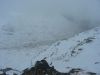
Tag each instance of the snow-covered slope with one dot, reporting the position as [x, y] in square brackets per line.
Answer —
[19, 59]
[81, 51]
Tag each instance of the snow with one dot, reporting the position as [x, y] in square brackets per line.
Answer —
[81, 51]
[31, 30]
[86, 53]
[19, 59]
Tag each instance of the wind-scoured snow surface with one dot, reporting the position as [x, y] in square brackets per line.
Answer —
[81, 51]
[31, 23]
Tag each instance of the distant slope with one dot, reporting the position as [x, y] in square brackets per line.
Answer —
[19, 58]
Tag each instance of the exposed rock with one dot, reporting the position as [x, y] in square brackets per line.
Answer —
[42, 68]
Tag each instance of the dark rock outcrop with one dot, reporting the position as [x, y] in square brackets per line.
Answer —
[42, 68]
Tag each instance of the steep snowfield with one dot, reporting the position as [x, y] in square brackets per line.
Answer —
[81, 51]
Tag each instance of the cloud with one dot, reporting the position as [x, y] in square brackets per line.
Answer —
[40, 22]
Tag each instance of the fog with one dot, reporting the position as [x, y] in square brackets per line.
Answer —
[31, 23]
